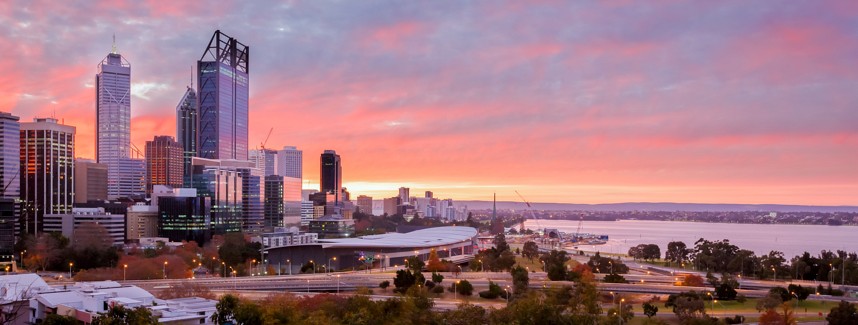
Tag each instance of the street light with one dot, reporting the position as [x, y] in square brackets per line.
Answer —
[455, 293]
[165, 269]
[124, 268]
[314, 266]
[70, 270]
[613, 297]
[507, 295]
[775, 272]
[338, 284]
[290, 266]
[329, 264]
[620, 311]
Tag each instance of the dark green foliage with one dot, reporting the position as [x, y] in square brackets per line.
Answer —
[615, 278]
[437, 278]
[236, 250]
[738, 319]
[493, 292]
[645, 252]
[225, 309]
[603, 264]
[118, 314]
[520, 280]
[438, 289]
[687, 305]
[530, 251]
[649, 309]
[781, 292]
[414, 264]
[384, 284]
[842, 314]
[405, 279]
[555, 264]
[725, 291]
[464, 288]
[676, 252]
[799, 292]
[54, 319]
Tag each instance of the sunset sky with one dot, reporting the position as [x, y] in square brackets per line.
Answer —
[579, 102]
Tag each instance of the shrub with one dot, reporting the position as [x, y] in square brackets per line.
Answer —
[384, 284]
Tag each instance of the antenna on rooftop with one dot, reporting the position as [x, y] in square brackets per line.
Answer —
[192, 76]
[113, 49]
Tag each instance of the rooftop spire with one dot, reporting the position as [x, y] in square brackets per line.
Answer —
[113, 49]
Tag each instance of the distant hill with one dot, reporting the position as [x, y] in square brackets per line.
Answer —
[659, 206]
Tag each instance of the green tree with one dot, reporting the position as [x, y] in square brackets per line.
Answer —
[687, 305]
[464, 288]
[118, 314]
[437, 277]
[649, 309]
[842, 314]
[530, 251]
[604, 264]
[500, 243]
[676, 252]
[464, 314]
[248, 313]
[614, 278]
[225, 309]
[520, 280]
[414, 263]
[555, 264]
[54, 319]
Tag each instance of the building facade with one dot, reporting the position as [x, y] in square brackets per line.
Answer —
[222, 183]
[223, 83]
[183, 215]
[10, 169]
[364, 204]
[266, 160]
[186, 131]
[164, 163]
[141, 221]
[77, 225]
[253, 194]
[290, 162]
[47, 171]
[90, 181]
[331, 173]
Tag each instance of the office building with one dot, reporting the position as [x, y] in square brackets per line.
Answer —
[141, 221]
[183, 215]
[164, 163]
[364, 204]
[90, 181]
[283, 204]
[307, 212]
[222, 183]
[266, 160]
[332, 227]
[331, 173]
[10, 168]
[253, 193]
[113, 127]
[186, 131]
[80, 223]
[391, 206]
[282, 237]
[47, 171]
[223, 83]
[404, 195]
[290, 162]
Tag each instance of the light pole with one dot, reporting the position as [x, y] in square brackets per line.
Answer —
[775, 272]
[620, 311]
[613, 297]
[223, 268]
[455, 293]
[338, 284]
[507, 296]
[124, 269]
[329, 264]
[165, 269]
[314, 266]
[290, 266]
[308, 285]
[611, 264]
[70, 270]
[714, 302]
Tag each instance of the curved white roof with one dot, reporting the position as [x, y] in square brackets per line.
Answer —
[429, 237]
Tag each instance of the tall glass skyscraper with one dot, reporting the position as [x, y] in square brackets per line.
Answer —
[10, 168]
[331, 175]
[113, 126]
[222, 76]
[186, 131]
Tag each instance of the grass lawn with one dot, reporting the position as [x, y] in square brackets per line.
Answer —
[536, 265]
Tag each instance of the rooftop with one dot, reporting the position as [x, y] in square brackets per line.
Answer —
[420, 238]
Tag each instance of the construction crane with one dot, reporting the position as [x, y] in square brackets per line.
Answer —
[580, 225]
[262, 145]
[532, 215]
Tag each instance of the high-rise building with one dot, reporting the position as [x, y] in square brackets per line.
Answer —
[282, 201]
[221, 182]
[10, 155]
[113, 126]
[404, 195]
[253, 194]
[90, 181]
[222, 81]
[130, 181]
[10, 168]
[164, 163]
[141, 221]
[290, 162]
[364, 204]
[331, 174]
[47, 171]
[266, 160]
[186, 131]
[391, 206]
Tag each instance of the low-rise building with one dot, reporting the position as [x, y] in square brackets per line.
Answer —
[281, 237]
[80, 224]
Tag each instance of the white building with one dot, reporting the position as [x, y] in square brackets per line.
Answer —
[72, 224]
[282, 237]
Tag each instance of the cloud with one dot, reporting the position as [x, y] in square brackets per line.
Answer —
[574, 102]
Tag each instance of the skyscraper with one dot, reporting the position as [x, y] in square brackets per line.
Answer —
[186, 131]
[10, 168]
[164, 163]
[290, 162]
[47, 171]
[222, 76]
[331, 173]
[113, 124]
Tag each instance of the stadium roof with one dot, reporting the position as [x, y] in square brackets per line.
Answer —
[429, 237]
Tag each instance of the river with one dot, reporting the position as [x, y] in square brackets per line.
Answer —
[792, 240]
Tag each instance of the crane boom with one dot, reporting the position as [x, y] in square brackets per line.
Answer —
[266, 139]
[532, 215]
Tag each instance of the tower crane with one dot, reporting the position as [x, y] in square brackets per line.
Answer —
[262, 145]
[532, 215]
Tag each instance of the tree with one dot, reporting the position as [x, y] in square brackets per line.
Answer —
[500, 243]
[437, 278]
[687, 305]
[555, 264]
[692, 280]
[520, 280]
[676, 252]
[118, 314]
[614, 278]
[384, 285]
[504, 262]
[225, 309]
[530, 251]
[464, 288]
[649, 310]
[464, 314]
[771, 317]
[800, 293]
[434, 264]
[248, 313]
[55, 319]
[842, 314]
[781, 292]
[414, 264]
[604, 264]
[404, 279]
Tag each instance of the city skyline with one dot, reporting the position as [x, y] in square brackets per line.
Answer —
[573, 103]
